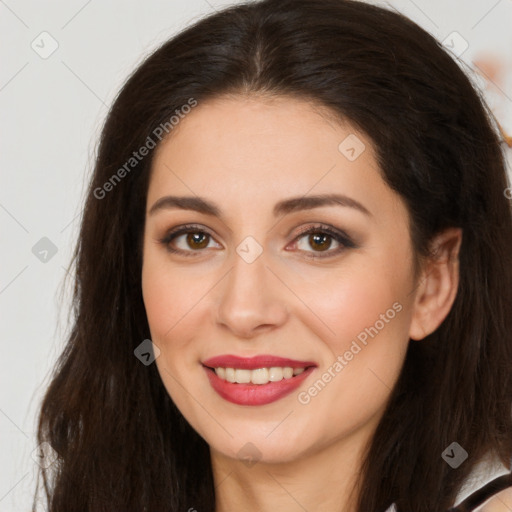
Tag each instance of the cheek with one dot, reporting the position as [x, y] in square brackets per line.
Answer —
[350, 303]
[367, 311]
[170, 297]
[172, 301]
[361, 361]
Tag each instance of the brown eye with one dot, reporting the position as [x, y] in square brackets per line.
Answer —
[189, 241]
[320, 241]
[197, 240]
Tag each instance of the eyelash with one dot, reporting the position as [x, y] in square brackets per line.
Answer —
[338, 236]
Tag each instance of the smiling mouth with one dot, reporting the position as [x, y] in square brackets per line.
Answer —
[259, 376]
[256, 380]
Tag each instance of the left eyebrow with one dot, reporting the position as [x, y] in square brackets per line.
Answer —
[206, 207]
[310, 202]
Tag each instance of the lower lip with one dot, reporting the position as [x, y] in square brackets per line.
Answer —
[255, 394]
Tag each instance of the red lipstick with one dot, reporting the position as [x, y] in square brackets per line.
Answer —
[252, 363]
[255, 394]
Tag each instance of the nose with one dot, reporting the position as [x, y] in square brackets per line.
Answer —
[251, 299]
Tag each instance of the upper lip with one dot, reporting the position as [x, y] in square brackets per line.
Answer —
[252, 363]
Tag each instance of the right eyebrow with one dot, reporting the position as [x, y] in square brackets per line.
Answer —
[197, 204]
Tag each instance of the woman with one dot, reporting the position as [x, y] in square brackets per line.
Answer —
[293, 277]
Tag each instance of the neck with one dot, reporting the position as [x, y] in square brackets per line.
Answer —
[322, 481]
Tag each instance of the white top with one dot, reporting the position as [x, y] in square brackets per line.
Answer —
[485, 471]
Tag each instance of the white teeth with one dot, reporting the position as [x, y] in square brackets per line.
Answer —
[257, 376]
[287, 372]
[243, 376]
[275, 374]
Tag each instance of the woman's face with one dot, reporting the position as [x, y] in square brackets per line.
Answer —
[312, 327]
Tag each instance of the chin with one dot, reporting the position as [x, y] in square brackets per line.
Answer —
[251, 447]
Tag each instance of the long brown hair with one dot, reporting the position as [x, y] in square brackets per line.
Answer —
[121, 442]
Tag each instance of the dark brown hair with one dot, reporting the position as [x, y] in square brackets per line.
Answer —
[121, 442]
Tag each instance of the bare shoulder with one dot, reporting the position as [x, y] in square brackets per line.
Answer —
[501, 502]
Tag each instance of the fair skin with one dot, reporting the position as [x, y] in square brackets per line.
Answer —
[501, 502]
[245, 155]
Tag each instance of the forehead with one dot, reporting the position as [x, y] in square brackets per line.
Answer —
[252, 152]
[232, 128]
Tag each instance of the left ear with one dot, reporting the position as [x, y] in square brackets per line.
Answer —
[437, 284]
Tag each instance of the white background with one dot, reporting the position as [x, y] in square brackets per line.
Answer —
[51, 113]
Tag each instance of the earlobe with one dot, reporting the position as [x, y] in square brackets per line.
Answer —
[437, 284]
